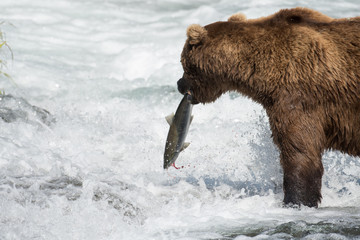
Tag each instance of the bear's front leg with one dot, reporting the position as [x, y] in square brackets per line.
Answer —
[300, 142]
[302, 178]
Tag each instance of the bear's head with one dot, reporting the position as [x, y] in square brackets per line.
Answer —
[211, 59]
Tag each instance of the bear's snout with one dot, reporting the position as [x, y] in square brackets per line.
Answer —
[183, 86]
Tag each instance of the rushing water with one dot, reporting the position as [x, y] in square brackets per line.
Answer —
[86, 162]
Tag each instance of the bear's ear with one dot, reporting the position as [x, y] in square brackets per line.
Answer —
[196, 34]
[237, 17]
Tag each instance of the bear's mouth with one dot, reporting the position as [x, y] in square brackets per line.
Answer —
[184, 87]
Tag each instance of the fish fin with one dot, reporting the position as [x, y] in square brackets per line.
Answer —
[191, 119]
[170, 118]
[186, 144]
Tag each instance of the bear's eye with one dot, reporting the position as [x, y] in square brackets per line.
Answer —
[294, 19]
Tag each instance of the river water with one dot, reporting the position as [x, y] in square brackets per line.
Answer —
[90, 165]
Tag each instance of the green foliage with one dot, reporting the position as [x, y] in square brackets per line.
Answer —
[4, 48]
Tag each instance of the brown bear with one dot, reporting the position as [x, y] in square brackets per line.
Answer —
[303, 67]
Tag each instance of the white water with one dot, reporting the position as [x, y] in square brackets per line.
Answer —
[107, 72]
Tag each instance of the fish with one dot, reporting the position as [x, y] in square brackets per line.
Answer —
[179, 127]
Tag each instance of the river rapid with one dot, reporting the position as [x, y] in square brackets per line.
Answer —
[86, 162]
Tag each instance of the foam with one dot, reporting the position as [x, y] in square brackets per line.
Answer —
[107, 72]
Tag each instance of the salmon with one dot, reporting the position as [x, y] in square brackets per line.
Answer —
[179, 127]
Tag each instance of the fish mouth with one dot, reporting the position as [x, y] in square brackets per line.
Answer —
[190, 97]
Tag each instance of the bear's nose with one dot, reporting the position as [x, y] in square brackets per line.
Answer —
[183, 86]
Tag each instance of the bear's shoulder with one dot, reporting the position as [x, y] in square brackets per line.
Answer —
[293, 15]
[296, 15]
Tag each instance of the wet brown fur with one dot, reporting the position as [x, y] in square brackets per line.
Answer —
[303, 67]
